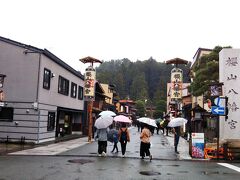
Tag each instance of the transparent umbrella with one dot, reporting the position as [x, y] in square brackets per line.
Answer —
[148, 121]
[179, 121]
[103, 122]
[107, 113]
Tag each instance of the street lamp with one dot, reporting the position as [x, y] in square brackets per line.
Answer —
[2, 76]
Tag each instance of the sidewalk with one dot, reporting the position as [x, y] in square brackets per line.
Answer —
[183, 147]
[54, 149]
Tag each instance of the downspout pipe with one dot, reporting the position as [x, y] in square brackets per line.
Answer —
[37, 95]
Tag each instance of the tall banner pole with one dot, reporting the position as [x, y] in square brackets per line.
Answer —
[89, 91]
[90, 120]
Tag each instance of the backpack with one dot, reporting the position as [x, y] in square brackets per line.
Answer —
[123, 135]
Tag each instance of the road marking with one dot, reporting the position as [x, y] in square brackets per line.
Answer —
[230, 166]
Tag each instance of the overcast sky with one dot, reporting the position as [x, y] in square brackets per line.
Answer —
[116, 29]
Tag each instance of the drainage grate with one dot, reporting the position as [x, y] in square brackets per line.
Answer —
[80, 161]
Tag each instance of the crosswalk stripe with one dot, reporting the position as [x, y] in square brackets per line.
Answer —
[230, 166]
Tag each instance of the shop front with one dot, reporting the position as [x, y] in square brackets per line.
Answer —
[69, 121]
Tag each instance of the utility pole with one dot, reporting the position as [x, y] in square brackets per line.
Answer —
[89, 90]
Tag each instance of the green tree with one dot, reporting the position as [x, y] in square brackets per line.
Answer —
[160, 108]
[138, 89]
[206, 73]
[140, 106]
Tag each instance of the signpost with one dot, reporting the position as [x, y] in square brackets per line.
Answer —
[89, 90]
[220, 109]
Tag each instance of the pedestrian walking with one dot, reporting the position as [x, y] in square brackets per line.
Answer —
[158, 127]
[115, 140]
[176, 131]
[124, 137]
[101, 137]
[145, 142]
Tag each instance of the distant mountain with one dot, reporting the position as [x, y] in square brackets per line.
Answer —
[139, 80]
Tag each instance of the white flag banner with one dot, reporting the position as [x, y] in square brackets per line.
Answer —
[229, 74]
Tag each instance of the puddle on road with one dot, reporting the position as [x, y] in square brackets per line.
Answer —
[80, 161]
[209, 172]
[149, 173]
[182, 171]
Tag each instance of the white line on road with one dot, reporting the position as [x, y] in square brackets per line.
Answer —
[230, 166]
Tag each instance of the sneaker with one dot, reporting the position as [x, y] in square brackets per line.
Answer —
[150, 157]
[104, 154]
[99, 155]
[123, 156]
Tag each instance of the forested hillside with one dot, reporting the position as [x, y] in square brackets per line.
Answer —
[139, 80]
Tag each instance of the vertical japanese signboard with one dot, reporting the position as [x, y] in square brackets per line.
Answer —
[89, 84]
[229, 75]
[176, 81]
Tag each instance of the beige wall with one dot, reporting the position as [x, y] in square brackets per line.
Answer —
[107, 93]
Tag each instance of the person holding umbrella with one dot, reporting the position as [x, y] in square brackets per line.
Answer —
[124, 137]
[101, 135]
[176, 123]
[145, 142]
[176, 131]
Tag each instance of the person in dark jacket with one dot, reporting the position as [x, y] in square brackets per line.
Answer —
[176, 131]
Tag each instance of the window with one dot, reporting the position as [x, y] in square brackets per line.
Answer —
[80, 92]
[46, 78]
[51, 121]
[63, 86]
[6, 114]
[73, 90]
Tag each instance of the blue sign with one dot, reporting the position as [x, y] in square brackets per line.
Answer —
[220, 101]
[218, 110]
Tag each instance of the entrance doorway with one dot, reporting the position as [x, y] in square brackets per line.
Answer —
[67, 124]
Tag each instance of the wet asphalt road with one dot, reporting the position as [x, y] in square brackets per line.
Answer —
[78, 168]
[160, 149]
[83, 163]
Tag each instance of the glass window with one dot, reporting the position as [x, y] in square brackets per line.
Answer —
[80, 92]
[6, 114]
[73, 90]
[51, 121]
[46, 78]
[63, 86]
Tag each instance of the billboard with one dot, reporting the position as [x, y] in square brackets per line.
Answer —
[198, 145]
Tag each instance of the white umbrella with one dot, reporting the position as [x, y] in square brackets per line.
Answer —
[103, 122]
[148, 121]
[107, 113]
[121, 118]
[179, 121]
